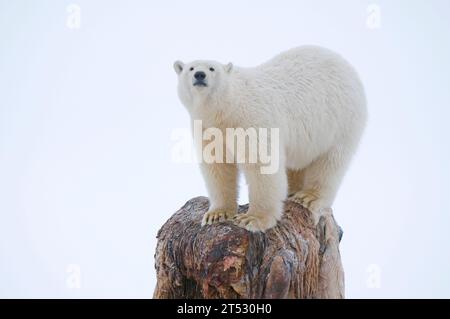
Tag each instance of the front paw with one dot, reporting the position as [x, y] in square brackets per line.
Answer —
[255, 222]
[217, 215]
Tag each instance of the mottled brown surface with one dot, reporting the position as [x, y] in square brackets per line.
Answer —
[292, 260]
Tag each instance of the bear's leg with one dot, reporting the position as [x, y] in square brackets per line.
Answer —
[321, 181]
[222, 185]
[295, 180]
[267, 193]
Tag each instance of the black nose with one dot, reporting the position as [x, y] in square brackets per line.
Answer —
[200, 75]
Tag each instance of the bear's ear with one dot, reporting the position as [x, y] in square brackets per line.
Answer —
[228, 67]
[178, 66]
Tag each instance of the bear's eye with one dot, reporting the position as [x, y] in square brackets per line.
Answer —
[191, 69]
[211, 69]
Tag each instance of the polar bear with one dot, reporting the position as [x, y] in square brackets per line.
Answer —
[317, 101]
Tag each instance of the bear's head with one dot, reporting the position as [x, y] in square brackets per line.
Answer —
[201, 79]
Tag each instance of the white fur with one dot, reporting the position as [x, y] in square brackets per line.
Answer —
[316, 100]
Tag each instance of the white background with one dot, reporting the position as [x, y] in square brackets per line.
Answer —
[87, 115]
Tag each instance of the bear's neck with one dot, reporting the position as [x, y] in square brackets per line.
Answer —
[215, 110]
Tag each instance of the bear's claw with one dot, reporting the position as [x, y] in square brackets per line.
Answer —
[254, 223]
[312, 201]
[305, 198]
[216, 216]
